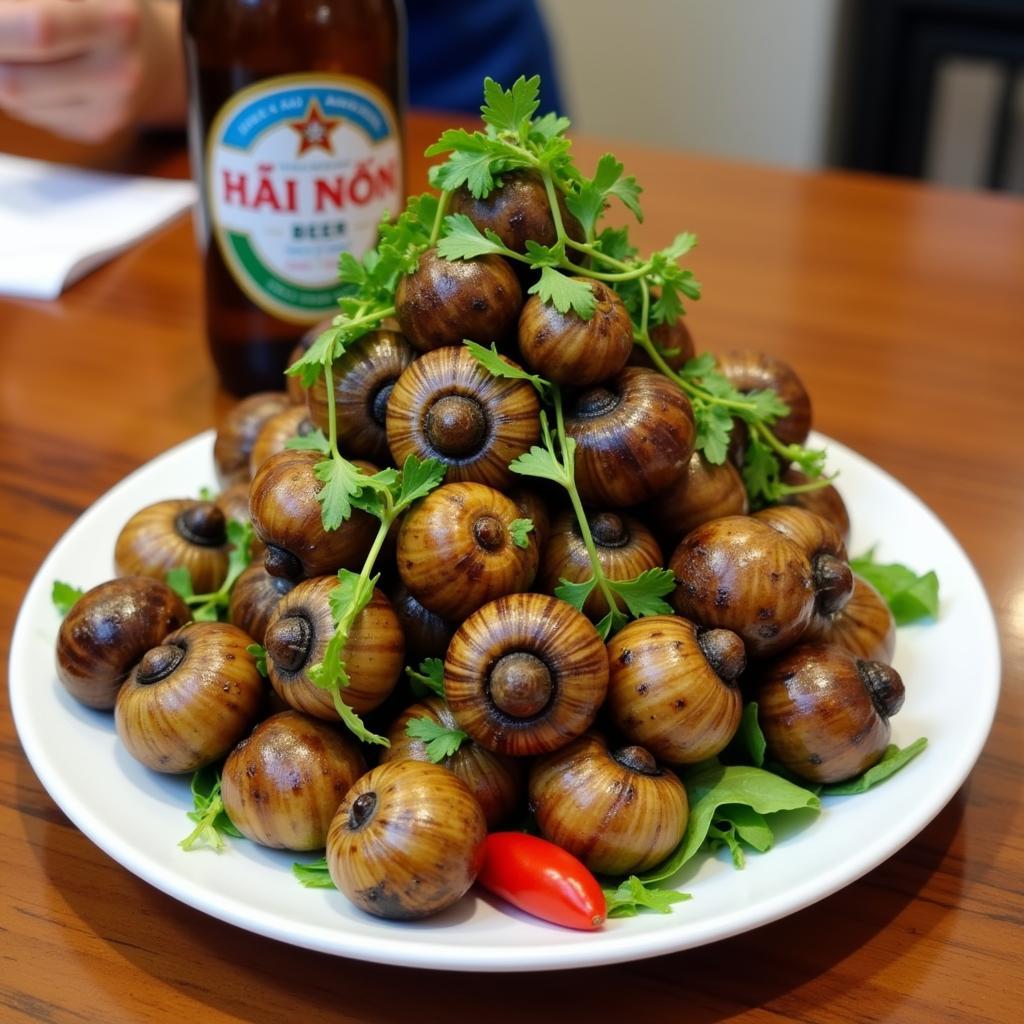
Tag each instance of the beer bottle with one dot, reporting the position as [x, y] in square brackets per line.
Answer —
[295, 141]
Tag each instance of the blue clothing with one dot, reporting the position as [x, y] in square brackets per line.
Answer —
[454, 44]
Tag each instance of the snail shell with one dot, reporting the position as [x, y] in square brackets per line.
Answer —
[825, 713]
[364, 378]
[447, 406]
[671, 687]
[617, 812]
[625, 548]
[286, 517]
[191, 699]
[569, 350]
[455, 551]
[426, 635]
[825, 501]
[297, 637]
[171, 534]
[237, 433]
[109, 628]
[254, 597]
[864, 626]
[282, 784]
[495, 781]
[525, 674]
[634, 436]
[407, 841]
[277, 432]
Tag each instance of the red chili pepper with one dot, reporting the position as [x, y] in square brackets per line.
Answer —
[542, 879]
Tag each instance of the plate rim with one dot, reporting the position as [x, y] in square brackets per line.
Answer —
[391, 948]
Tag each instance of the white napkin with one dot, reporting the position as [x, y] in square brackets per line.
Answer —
[57, 223]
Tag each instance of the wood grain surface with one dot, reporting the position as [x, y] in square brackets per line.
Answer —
[901, 306]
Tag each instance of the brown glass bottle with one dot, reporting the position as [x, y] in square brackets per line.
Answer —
[294, 132]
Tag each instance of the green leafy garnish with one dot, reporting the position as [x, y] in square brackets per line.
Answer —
[463, 240]
[910, 597]
[632, 895]
[428, 678]
[519, 530]
[749, 737]
[575, 594]
[643, 594]
[342, 482]
[314, 874]
[259, 654]
[212, 822]
[498, 366]
[892, 761]
[314, 441]
[712, 786]
[736, 822]
[441, 742]
[64, 596]
[589, 203]
[214, 605]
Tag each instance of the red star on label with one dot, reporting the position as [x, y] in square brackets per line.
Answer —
[315, 131]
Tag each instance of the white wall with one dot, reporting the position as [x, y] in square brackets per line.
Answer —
[743, 78]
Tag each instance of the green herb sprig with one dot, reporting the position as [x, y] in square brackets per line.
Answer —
[213, 606]
[212, 821]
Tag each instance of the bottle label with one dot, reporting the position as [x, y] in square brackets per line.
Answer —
[299, 169]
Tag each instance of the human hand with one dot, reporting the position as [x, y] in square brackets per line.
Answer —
[87, 68]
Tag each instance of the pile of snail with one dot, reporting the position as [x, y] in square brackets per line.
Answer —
[587, 734]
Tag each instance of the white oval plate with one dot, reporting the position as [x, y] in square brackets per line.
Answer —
[138, 817]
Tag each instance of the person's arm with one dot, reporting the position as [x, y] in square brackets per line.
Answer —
[86, 69]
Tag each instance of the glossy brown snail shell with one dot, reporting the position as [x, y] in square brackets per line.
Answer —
[672, 687]
[823, 545]
[748, 370]
[286, 516]
[189, 700]
[282, 784]
[237, 431]
[254, 597]
[738, 573]
[297, 637]
[625, 548]
[567, 349]
[447, 406]
[533, 506]
[525, 674]
[633, 436]
[426, 634]
[864, 626]
[364, 377]
[825, 713]
[455, 550]
[407, 841]
[108, 630]
[445, 302]
[825, 501]
[704, 491]
[618, 812]
[277, 432]
[673, 342]
[517, 210]
[177, 533]
[495, 781]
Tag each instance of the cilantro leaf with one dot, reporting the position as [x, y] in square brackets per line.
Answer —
[240, 537]
[632, 896]
[643, 594]
[64, 596]
[714, 429]
[544, 255]
[565, 293]
[463, 240]
[712, 785]
[314, 875]
[910, 597]
[589, 202]
[549, 127]
[519, 530]
[761, 473]
[892, 761]
[498, 366]
[428, 678]
[540, 462]
[342, 482]
[575, 594]
[314, 441]
[511, 110]
[441, 742]
[179, 579]
[259, 655]
[211, 819]
[418, 478]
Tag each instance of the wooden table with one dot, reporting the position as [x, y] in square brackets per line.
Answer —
[903, 309]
